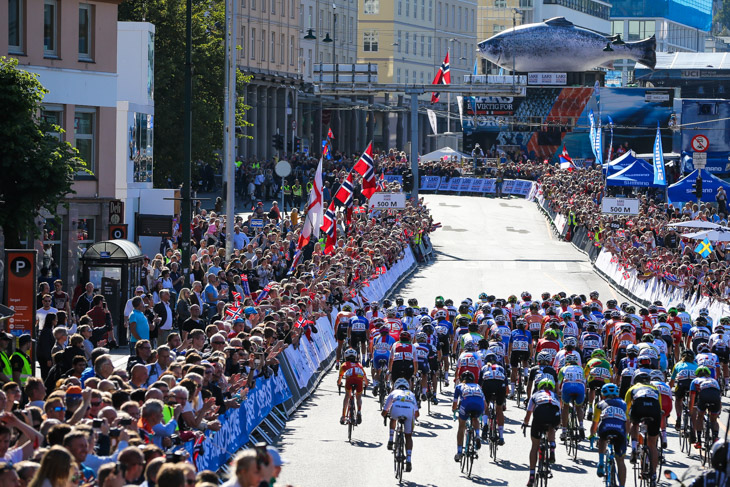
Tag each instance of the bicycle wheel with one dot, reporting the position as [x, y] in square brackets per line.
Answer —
[351, 420]
[611, 480]
[472, 453]
[707, 442]
[398, 455]
[645, 466]
[571, 443]
[543, 470]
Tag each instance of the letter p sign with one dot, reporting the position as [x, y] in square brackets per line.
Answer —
[20, 266]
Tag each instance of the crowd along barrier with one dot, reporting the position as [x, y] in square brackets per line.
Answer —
[518, 187]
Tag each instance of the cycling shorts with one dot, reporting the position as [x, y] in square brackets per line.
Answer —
[471, 407]
[709, 400]
[682, 389]
[356, 381]
[443, 347]
[402, 369]
[396, 411]
[494, 390]
[384, 357]
[620, 354]
[573, 391]
[433, 363]
[424, 367]
[723, 355]
[617, 435]
[596, 384]
[625, 385]
[358, 337]
[651, 410]
[341, 333]
[544, 417]
[517, 357]
[669, 341]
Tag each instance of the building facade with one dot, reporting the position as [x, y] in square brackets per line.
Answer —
[72, 47]
[679, 26]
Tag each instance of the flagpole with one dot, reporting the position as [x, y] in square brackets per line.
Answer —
[448, 97]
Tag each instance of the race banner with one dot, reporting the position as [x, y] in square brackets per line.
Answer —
[430, 183]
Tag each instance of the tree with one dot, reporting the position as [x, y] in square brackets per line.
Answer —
[37, 168]
[722, 16]
[168, 16]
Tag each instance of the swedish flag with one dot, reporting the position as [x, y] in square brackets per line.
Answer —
[704, 248]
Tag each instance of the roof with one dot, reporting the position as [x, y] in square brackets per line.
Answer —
[689, 60]
[113, 250]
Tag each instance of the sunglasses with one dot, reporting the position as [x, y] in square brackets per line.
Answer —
[96, 404]
[59, 409]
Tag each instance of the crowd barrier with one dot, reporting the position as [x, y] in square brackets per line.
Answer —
[263, 415]
[643, 292]
[519, 187]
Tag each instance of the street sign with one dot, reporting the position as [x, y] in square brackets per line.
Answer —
[388, 201]
[620, 206]
[257, 223]
[282, 169]
[699, 160]
[116, 212]
[700, 143]
[118, 232]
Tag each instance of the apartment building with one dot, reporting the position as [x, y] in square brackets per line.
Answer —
[72, 46]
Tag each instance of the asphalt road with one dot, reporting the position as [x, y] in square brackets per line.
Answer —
[498, 246]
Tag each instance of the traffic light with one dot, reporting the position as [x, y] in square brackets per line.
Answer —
[297, 144]
[277, 140]
[698, 187]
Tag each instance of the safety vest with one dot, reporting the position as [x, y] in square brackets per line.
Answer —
[7, 369]
[297, 189]
[309, 187]
[256, 165]
[167, 414]
[571, 218]
[287, 189]
[27, 370]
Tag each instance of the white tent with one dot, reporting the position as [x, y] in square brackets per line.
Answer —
[438, 155]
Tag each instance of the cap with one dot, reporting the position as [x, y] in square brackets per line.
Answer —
[73, 391]
[249, 310]
[23, 339]
[278, 461]
[139, 288]
[6, 336]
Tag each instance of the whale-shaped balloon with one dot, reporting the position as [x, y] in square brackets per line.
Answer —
[557, 45]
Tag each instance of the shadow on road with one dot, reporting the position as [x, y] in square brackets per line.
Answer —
[366, 444]
[568, 469]
[482, 481]
[434, 426]
[508, 465]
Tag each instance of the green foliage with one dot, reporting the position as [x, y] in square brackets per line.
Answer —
[168, 16]
[37, 168]
[723, 15]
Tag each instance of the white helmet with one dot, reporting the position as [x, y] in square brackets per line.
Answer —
[704, 312]
[350, 353]
[425, 320]
[401, 384]
[440, 314]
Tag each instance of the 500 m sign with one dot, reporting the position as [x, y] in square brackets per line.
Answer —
[620, 206]
[388, 201]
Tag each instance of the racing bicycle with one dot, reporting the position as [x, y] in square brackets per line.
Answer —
[611, 473]
[492, 431]
[543, 472]
[470, 448]
[573, 433]
[351, 415]
[399, 449]
[642, 468]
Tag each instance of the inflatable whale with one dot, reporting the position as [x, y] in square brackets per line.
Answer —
[557, 45]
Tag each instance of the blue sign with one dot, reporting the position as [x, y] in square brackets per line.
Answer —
[257, 223]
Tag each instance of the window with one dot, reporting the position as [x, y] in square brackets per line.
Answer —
[253, 43]
[407, 78]
[371, 7]
[370, 41]
[446, 11]
[408, 8]
[460, 18]
[15, 26]
[263, 5]
[421, 77]
[282, 49]
[500, 3]
[244, 40]
[423, 44]
[291, 8]
[397, 74]
[273, 7]
[140, 147]
[253, 4]
[50, 33]
[272, 48]
[423, 9]
[243, 4]
[429, 46]
[151, 65]
[309, 21]
[400, 40]
[415, 9]
[84, 132]
[86, 17]
[430, 10]
[408, 42]
[400, 7]
[453, 16]
[53, 114]
[263, 45]
[291, 50]
[350, 34]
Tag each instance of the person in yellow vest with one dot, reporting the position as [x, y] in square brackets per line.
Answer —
[6, 374]
[286, 189]
[20, 360]
[297, 191]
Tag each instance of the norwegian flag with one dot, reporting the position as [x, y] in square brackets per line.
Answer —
[263, 294]
[306, 326]
[331, 240]
[244, 285]
[381, 182]
[359, 210]
[366, 169]
[566, 162]
[344, 193]
[626, 275]
[234, 312]
[236, 297]
[443, 77]
[294, 262]
[330, 135]
[330, 219]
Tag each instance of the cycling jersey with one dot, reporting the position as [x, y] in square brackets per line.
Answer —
[559, 360]
[493, 372]
[469, 337]
[494, 383]
[641, 392]
[550, 346]
[469, 361]
[354, 374]
[402, 403]
[718, 342]
[665, 394]
[537, 372]
[589, 342]
[622, 341]
[460, 315]
[359, 324]
[402, 352]
[470, 399]
[570, 329]
[698, 335]
[423, 351]
[686, 321]
[598, 369]
[503, 332]
[708, 360]
[497, 349]
[543, 398]
[395, 325]
[520, 340]
[610, 417]
[381, 348]
[534, 323]
[702, 383]
[627, 366]
[676, 323]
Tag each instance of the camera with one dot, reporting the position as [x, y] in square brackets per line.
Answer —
[176, 456]
[97, 423]
[176, 439]
[125, 421]
[115, 432]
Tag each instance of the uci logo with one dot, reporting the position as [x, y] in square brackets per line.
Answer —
[20, 266]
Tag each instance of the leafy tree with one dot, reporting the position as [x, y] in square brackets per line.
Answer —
[722, 16]
[37, 168]
[168, 16]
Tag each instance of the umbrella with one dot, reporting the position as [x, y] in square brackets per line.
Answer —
[695, 224]
[721, 234]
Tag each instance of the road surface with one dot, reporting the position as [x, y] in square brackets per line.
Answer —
[501, 247]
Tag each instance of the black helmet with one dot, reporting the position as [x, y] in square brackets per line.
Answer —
[413, 302]
[399, 301]
[719, 454]
[641, 377]
[467, 376]
[360, 312]
[387, 303]
[408, 311]
[464, 309]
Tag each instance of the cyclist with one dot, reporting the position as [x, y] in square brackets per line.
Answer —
[569, 326]
[625, 337]
[609, 422]
[569, 349]
[357, 333]
[683, 374]
[708, 359]
[433, 360]
[401, 403]
[399, 307]
[665, 393]
[685, 317]
[676, 323]
[643, 403]
[408, 319]
[720, 346]
[354, 375]
[661, 346]
[381, 353]
[342, 327]
[534, 321]
[537, 372]
[462, 328]
[469, 402]
[589, 340]
[472, 335]
[545, 406]
[718, 475]
[423, 352]
[493, 380]
[463, 312]
[705, 313]
[451, 310]
[700, 333]
[706, 391]
[626, 368]
[648, 349]
[444, 332]
[594, 299]
[403, 361]
[549, 343]
[572, 387]
[469, 360]
[520, 351]
[598, 373]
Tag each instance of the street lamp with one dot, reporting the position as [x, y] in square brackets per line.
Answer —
[310, 35]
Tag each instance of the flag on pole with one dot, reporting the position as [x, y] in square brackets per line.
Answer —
[294, 262]
[381, 182]
[344, 193]
[263, 294]
[592, 133]
[326, 149]
[443, 77]
[704, 248]
[566, 162]
[329, 219]
[610, 144]
[598, 142]
[659, 175]
[366, 169]
[330, 135]
[244, 285]
[314, 210]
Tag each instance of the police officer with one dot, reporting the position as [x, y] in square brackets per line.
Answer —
[297, 192]
[287, 190]
[20, 361]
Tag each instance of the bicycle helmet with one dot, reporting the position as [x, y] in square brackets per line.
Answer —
[449, 302]
[656, 375]
[701, 321]
[428, 328]
[408, 311]
[644, 361]
[545, 296]
[681, 307]
[440, 314]
[725, 320]
[653, 309]
[672, 311]
[404, 336]
[591, 326]
[526, 296]
[401, 384]
[632, 350]
[551, 334]
[626, 327]
[623, 306]
[470, 346]
[593, 294]
[399, 301]
[439, 302]
[543, 357]
[688, 355]
[463, 309]
[425, 320]
[616, 314]
[421, 337]
[704, 312]
[641, 377]
[567, 315]
[647, 338]
[512, 299]
[423, 310]
[497, 312]
[384, 330]
[571, 342]
[463, 320]
[360, 312]
[657, 332]
[611, 303]
[545, 383]
[350, 354]
[571, 359]
[374, 304]
[598, 353]
[387, 303]
[413, 302]
[521, 324]
[609, 390]
[703, 348]
[500, 319]
[719, 455]
[467, 376]
[702, 371]
[347, 308]
[719, 329]
[490, 358]
[390, 313]
[483, 296]
[486, 309]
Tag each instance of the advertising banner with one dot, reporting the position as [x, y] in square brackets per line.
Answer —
[430, 183]
[20, 282]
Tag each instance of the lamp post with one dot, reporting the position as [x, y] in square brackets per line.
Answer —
[327, 39]
[186, 206]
